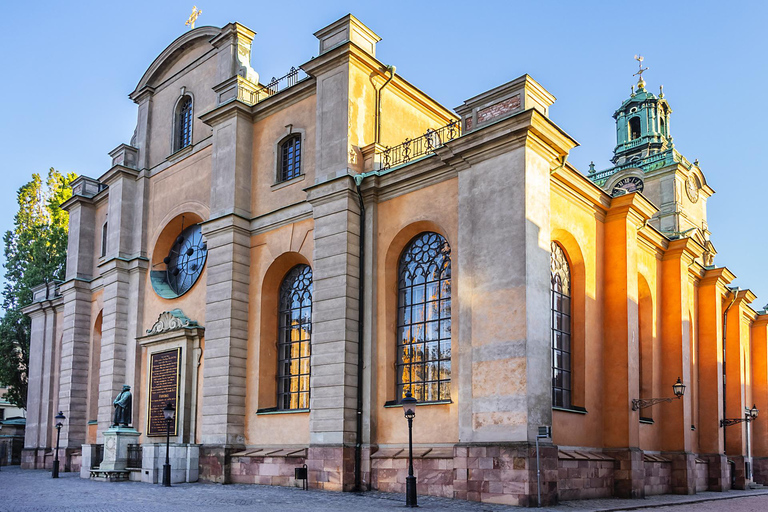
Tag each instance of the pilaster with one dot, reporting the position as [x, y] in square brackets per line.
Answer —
[123, 272]
[43, 356]
[621, 356]
[73, 372]
[226, 334]
[712, 291]
[503, 273]
[676, 332]
[336, 270]
[760, 391]
[737, 367]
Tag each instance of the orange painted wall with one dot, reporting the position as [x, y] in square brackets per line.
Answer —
[434, 208]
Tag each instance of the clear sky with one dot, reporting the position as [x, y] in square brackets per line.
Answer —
[67, 69]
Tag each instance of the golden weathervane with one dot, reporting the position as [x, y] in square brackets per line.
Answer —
[640, 71]
[192, 17]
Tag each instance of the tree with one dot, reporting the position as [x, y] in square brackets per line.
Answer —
[35, 253]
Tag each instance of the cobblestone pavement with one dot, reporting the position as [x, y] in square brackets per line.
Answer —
[28, 491]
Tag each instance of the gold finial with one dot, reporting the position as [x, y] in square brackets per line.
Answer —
[192, 17]
[641, 69]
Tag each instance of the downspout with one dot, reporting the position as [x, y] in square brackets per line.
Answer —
[734, 291]
[377, 135]
[360, 320]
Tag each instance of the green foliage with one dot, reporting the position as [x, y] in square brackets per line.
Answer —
[35, 253]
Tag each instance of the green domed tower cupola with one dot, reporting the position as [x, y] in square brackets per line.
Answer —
[642, 124]
[646, 161]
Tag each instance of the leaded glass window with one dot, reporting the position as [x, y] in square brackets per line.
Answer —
[424, 319]
[294, 337]
[183, 124]
[290, 158]
[561, 328]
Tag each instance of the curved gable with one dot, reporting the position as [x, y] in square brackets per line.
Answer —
[172, 54]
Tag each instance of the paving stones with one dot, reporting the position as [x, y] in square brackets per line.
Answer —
[36, 491]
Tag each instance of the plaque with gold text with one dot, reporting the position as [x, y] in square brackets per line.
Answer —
[164, 373]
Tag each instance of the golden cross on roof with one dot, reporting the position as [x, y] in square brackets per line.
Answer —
[641, 69]
[192, 17]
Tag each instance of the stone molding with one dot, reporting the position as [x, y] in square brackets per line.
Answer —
[172, 320]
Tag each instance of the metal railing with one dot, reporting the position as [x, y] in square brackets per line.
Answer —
[411, 149]
[134, 456]
[97, 455]
[275, 85]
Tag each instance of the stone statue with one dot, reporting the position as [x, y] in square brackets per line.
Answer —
[123, 407]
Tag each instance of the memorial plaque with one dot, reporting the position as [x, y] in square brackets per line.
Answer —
[164, 374]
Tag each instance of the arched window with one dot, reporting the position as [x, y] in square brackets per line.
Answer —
[424, 319]
[634, 128]
[183, 132]
[561, 328]
[290, 158]
[294, 336]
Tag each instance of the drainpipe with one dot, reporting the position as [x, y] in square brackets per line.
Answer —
[360, 320]
[734, 291]
[377, 135]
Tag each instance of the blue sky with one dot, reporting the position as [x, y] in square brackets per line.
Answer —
[68, 68]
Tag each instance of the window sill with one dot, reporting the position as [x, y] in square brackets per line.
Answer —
[297, 179]
[274, 410]
[573, 409]
[180, 153]
[646, 421]
[393, 403]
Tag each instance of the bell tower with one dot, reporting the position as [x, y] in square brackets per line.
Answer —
[645, 160]
[642, 123]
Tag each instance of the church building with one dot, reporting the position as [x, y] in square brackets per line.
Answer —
[280, 262]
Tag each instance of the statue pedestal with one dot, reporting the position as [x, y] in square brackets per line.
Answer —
[116, 441]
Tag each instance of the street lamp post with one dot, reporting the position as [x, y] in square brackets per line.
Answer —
[168, 413]
[59, 423]
[409, 409]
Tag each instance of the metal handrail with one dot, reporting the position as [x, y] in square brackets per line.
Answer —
[425, 144]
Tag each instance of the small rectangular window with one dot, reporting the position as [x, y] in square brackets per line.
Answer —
[104, 240]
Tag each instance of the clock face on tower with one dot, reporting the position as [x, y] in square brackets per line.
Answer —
[627, 186]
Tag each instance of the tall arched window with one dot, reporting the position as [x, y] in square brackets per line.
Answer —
[183, 132]
[634, 128]
[290, 158]
[561, 327]
[294, 337]
[424, 319]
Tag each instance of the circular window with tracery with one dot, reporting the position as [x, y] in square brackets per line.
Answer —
[183, 264]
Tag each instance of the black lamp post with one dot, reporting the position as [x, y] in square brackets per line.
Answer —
[678, 388]
[409, 409]
[168, 412]
[59, 423]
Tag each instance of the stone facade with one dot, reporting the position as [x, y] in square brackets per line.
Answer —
[228, 185]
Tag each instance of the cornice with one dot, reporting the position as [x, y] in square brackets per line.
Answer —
[281, 217]
[116, 172]
[178, 45]
[686, 249]
[284, 99]
[79, 200]
[632, 207]
[717, 276]
[330, 190]
[228, 110]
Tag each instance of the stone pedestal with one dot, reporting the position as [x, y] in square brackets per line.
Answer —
[116, 441]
